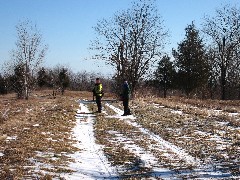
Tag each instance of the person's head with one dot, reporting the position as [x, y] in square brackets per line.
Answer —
[125, 82]
[97, 80]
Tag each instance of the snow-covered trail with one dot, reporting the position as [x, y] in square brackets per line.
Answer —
[201, 170]
[162, 143]
[145, 158]
[90, 162]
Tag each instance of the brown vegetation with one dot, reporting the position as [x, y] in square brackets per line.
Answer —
[35, 135]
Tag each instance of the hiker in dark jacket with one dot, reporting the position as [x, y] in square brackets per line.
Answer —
[98, 92]
[125, 98]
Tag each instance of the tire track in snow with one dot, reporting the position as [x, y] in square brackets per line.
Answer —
[146, 159]
[202, 170]
[219, 136]
[161, 143]
[90, 162]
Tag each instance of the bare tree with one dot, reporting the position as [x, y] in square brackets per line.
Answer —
[131, 41]
[212, 84]
[82, 81]
[29, 52]
[224, 30]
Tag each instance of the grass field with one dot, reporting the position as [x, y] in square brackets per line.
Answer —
[172, 138]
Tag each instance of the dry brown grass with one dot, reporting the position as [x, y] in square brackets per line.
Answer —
[199, 130]
[206, 135]
[41, 127]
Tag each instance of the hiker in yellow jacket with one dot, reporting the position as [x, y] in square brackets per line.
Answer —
[98, 92]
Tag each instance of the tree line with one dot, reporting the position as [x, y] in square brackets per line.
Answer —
[57, 79]
[205, 63]
[207, 70]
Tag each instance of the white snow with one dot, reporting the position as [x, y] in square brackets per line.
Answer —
[233, 114]
[36, 125]
[51, 139]
[161, 142]
[177, 112]
[157, 105]
[119, 113]
[90, 162]
[203, 170]
[9, 138]
[146, 159]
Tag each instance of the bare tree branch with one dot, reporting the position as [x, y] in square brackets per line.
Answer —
[131, 40]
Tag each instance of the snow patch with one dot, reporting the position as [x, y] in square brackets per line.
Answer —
[90, 162]
[161, 142]
[233, 114]
[119, 113]
[177, 112]
[9, 138]
[146, 159]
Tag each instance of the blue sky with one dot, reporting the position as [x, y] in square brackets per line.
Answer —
[66, 25]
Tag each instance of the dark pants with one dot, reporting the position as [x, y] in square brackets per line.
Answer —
[99, 103]
[126, 108]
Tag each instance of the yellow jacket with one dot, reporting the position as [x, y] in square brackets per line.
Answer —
[98, 90]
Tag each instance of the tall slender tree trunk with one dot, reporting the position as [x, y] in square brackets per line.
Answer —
[26, 82]
[133, 88]
[238, 92]
[26, 89]
[223, 83]
[165, 91]
[165, 83]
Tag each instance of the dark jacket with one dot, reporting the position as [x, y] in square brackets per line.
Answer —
[126, 92]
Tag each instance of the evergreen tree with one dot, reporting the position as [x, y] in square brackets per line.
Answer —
[17, 80]
[191, 61]
[3, 89]
[63, 79]
[42, 78]
[164, 74]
